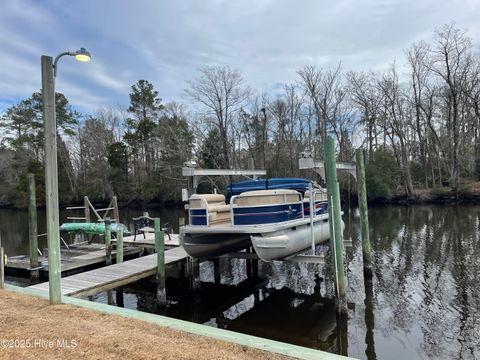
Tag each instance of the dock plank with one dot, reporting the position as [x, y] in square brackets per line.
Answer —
[77, 256]
[110, 277]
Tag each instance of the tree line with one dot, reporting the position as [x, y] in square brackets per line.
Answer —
[418, 121]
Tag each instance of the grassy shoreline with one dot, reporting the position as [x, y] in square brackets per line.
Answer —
[38, 330]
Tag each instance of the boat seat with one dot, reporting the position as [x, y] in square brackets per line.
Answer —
[217, 217]
[219, 213]
[267, 197]
[218, 210]
[204, 201]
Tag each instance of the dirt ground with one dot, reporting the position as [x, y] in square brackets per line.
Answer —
[32, 329]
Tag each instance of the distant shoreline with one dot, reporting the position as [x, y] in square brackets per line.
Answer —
[421, 196]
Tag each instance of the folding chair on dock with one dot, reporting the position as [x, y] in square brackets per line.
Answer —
[145, 224]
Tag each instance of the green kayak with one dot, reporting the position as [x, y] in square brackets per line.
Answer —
[92, 228]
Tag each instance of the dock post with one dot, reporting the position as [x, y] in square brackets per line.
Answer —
[335, 216]
[2, 268]
[248, 263]
[32, 229]
[216, 270]
[108, 242]
[369, 319]
[86, 205]
[119, 297]
[51, 181]
[196, 283]
[109, 297]
[119, 246]
[255, 268]
[362, 201]
[160, 250]
[115, 209]
[2, 265]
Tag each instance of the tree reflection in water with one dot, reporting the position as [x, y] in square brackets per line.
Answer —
[423, 300]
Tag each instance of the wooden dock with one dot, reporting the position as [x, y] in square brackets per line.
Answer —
[113, 276]
[77, 256]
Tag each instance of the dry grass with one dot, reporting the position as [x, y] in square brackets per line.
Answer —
[102, 336]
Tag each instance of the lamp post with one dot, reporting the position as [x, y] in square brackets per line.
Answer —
[49, 71]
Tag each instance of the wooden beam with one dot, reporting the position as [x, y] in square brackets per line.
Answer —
[51, 179]
[32, 228]
[187, 171]
[108, 242]
[160, 250]
[119, 246]
[86, 206]
[335, 216]
[2, 268]
[362, 200]
[115, 209]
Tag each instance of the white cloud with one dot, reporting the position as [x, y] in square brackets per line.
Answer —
[166, 42]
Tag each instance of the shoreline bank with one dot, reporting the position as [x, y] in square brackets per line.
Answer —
[108, 332]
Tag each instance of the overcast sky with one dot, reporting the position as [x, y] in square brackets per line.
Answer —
[166, 42]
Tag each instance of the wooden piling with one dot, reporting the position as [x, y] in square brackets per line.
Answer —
[2, 265]
[109, 297]
[108, 242]
[115, 209]
[255, 268]
[369, 319]
[216, 270]
[119, 246]
[195, 274]
[119, 297]
[160, 250]
[51, 180]
[336, 233]
[362, 201]
[86, 205]
[248, 264]
[32, 229]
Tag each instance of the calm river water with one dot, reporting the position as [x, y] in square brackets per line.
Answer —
[424, 302]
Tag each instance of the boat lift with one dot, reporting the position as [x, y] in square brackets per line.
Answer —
[307, 161]
[194, 174]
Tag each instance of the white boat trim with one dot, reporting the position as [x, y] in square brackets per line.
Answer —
[250, 229]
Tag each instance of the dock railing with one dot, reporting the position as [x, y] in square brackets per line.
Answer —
[88, 208]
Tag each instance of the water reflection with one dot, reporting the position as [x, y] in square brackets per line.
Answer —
[422, 303]
[424, 296]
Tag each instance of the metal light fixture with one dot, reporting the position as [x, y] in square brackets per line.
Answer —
[82, 55]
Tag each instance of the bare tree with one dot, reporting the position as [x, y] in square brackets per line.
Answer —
[222, 93]
[323, 87]
[397, 117]
[451, 62]
[363, 91]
